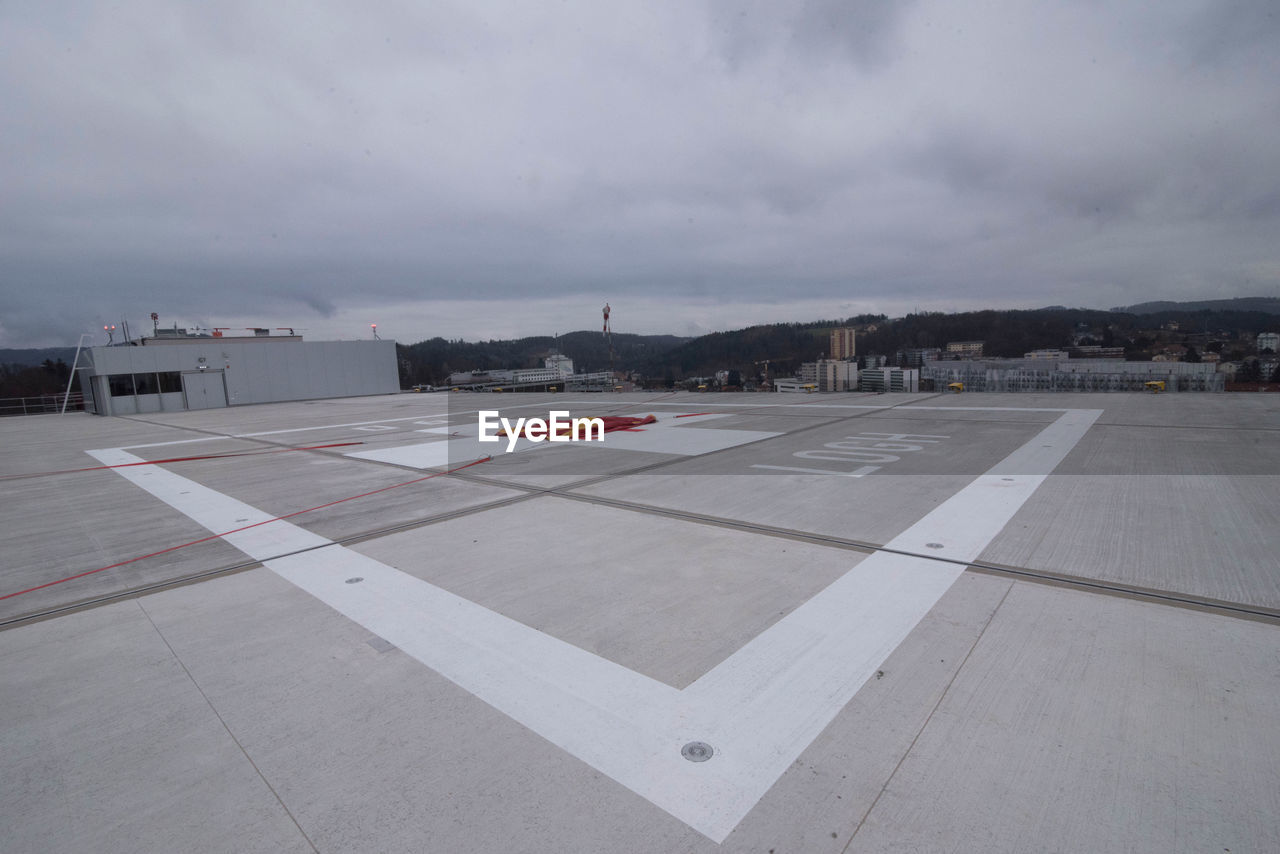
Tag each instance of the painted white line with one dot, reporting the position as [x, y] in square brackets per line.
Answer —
[446, 415]
[987, 408]
[749, 406]
[700, 405]
[859, 472]
[667, 436]
[673, 437]
[597, 402]
[326, 427]
[179, 442]
[759, 709]
[778, 692]
[421, 455]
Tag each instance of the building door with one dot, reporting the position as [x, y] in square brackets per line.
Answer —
[204, 389]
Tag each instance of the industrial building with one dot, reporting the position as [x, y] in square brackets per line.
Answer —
[829, 375]
[914, 357]
[1033, 374]
[557, 369]
[176, 372]
[1094, 351]
[965, 349]
[889, 379]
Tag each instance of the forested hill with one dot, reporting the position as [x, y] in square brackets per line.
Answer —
[1270, 305]
[433, 360]
[783, 345]
[36, 356]
[786, 345]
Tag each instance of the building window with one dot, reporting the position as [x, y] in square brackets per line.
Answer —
[170, 381]
[145, 384]
[121, 385]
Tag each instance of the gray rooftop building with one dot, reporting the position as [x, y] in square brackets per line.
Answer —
[1082, 375]
[172, 373]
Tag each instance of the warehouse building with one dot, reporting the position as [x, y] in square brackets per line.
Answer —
[1033, 375]
[177, 372]
[889, 379]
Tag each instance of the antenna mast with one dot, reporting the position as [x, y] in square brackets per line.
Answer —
[608, 334]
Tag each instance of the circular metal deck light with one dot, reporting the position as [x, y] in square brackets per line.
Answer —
[697, 751]
[933, 545]
[355, 580]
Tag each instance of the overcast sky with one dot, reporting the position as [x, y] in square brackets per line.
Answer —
[486, 170]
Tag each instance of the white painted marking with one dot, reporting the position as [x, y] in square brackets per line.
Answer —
[179, 442]
[861, 472]
[391, 420]
[989, 408]
[751, 406]
[760, 708]
[422, 455]
[670, 437]
[324, 427]
[663, 437]
[374, 428]
[861, 448]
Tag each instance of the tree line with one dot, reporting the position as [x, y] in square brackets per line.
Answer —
[664, 359]
[49, 377]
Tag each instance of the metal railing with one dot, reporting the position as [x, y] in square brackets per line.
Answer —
[42, 404]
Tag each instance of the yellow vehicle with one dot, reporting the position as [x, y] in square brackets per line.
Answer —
[956, 387]
[702, 387]
[1155, 386]
[809, 388]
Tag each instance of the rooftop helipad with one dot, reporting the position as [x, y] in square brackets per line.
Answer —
[761, 622]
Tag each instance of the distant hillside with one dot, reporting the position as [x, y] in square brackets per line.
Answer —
[432, 361]
[37, 356]
[785, 345]
[1269, 305]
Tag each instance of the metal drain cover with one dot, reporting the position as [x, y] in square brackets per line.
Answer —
[697, 751]
[355, 580]
[934, 545]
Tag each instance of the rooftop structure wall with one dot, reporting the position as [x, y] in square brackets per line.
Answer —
[227, 372]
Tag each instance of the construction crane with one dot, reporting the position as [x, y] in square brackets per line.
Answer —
[608, 334]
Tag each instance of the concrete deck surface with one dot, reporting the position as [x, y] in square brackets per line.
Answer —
[509, 657]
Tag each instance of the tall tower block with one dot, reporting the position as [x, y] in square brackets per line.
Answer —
[842, 346]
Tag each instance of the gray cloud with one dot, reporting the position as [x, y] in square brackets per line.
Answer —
[315, 165]
[861, 32]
